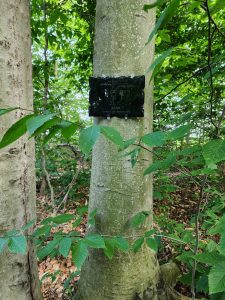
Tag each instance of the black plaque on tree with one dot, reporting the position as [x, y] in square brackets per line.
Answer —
[117, 97]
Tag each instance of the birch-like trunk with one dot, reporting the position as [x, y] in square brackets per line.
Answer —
[18, 273]
[119, 191]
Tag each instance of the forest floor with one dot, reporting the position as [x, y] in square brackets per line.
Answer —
[54, 273]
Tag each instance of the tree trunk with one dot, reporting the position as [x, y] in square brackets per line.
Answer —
[119, 191]
[18, 273]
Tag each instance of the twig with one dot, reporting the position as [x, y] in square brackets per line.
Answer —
[220, 122]
[209, 65]
[43, 163]
[65, 198]
[213, 21]
[185, 171]
[196, 73]
[197, 234]
[46, 84]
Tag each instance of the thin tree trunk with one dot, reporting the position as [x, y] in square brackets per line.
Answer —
[18, 273]
[119, 191]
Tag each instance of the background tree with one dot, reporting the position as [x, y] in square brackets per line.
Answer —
[18, 276]
[118, 191]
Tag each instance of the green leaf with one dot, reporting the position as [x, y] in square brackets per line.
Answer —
[68, 131]
[216, 6]
[17, 244]
[154, 139]
[6, 110]
[137, 244]
[109, 248]
[79, 253]
[209, 258]
[128, 143]
[94, 241]
[218, 227]
[186, 279]
[212, 246]
[214, 151]
[15, 131]
[217, 296]
[12, 232]
[63, 218]
[178, 133]
[217, 278]
[222, 243]
[71, 277]
[46, 126]
[3, 243]
[91, 217]
[37, 121]
[150, 6]
[212, 72]
[139, 219]
[28, 225]
[161, 164]
[134, 156]
[88, 138]
[77, 222]
[168, 12]
[149, 233]
[47, 250]
[64, 246]
[44, 230]
[202, 284]
[152, 243]
[121, 243]
[112, 134]
[52, 133]
[159, 60]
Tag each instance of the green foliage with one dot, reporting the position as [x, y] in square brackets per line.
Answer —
[64, 246]
[152, 243]
[121, 243]
[179, 132]
[138, 244]
[109, 248]
[15, 131]
[36, 122]
[161, 165]
[64, 218]
[166, 15]
[17, 244]
[113, 244]
[91, 217]
[79, 253]
[71, 277]
[214, 151]
[112, 134]
[139, 219]
[154, 139]
[217, 278]
[48, 249]
[88, 138]
[6, 110]
[154, 4]
[159, 60]
[94, 241]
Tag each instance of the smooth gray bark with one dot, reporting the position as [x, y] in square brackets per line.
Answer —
[119, 191]
[18, 273]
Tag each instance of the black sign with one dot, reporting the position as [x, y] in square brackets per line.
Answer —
[117, 97]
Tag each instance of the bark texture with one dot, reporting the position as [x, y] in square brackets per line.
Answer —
[18, 273]
[119, 191]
